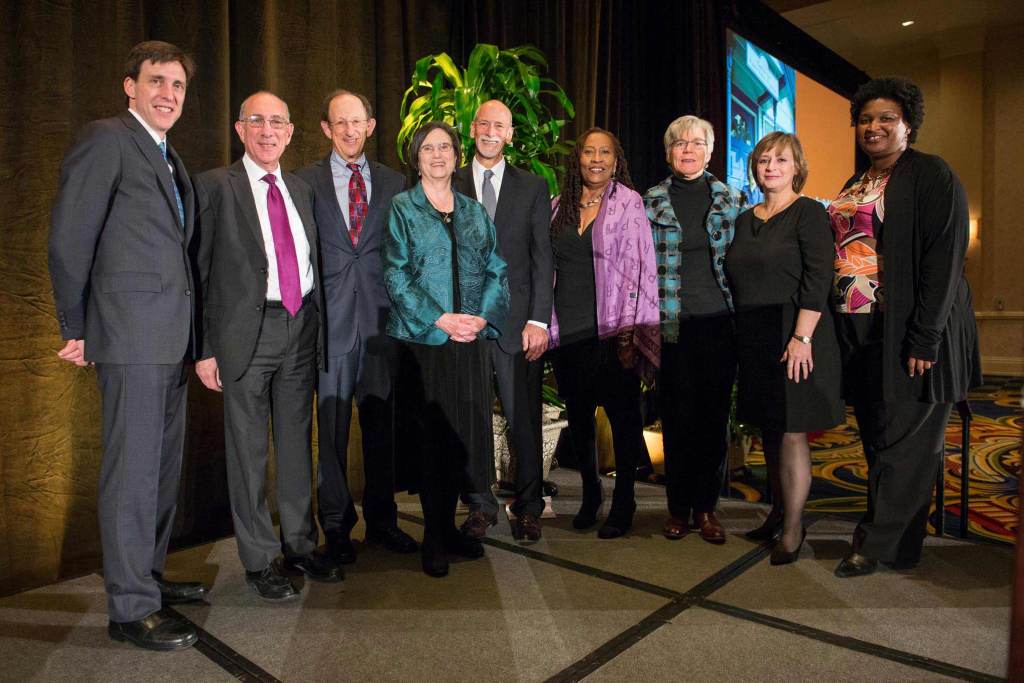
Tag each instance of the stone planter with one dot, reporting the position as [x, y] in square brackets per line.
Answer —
[504, 458]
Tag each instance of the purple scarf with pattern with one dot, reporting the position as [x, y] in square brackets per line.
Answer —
[626, 279]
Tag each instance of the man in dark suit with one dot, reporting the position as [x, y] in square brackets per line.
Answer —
[352, 199]
[122, 283]
[260, 276]
[517, 202]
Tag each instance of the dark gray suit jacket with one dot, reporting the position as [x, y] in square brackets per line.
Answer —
[356, 303]
[119, 263]
[233, 263]
[523, 222]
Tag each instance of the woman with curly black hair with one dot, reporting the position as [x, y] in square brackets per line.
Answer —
[605, 318]
[904, 318]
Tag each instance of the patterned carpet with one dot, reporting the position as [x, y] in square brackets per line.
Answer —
[840, 473]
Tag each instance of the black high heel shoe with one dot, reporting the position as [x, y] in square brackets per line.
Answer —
[780, 556]
[771, 528]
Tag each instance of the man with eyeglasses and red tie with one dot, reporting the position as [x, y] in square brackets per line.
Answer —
[260, 275]
[352, 196]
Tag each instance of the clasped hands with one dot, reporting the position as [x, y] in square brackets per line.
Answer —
[460, 327]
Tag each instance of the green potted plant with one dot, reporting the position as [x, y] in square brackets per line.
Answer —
[540, 108]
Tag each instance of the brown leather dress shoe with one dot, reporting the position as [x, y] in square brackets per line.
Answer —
[711, 530]
[675, 528]
[476, 524]
[526, 528]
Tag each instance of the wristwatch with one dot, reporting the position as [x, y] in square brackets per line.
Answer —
[805, 340]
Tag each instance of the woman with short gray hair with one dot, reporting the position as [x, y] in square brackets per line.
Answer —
[692, 214]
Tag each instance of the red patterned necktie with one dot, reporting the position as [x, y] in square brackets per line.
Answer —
[284, 247]
[357, 203]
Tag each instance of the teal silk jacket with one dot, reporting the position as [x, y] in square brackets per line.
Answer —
[417, 258]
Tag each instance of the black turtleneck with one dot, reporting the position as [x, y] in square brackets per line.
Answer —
[699, 294]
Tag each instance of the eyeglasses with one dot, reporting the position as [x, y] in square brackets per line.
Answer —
[683, 144]
[358, 124]
[257, 121]
[444, 148]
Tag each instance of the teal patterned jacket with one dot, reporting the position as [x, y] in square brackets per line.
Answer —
[417, 256]
[726, 205]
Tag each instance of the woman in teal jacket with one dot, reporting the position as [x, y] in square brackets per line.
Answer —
[448, 291]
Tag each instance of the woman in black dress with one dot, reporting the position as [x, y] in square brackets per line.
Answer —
[780, 270]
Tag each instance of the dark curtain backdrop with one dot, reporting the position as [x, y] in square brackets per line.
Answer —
[630, 67]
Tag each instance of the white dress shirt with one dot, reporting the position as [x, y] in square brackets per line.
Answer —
[157, 138]
[478, 183]
[259, 193]
[478, 178]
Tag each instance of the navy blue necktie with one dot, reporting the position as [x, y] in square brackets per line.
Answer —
[177, 195]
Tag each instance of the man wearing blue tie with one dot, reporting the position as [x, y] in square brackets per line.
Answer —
[122, 281]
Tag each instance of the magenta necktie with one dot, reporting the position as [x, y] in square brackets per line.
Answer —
[357, 204]
[284, 247]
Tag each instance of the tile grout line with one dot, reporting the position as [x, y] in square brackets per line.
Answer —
[697, 597]
[225, 656]
[848, 642]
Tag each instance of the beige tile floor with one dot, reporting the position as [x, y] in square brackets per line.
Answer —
[570, 607]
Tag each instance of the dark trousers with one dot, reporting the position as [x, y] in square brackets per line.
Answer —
[143, 436]
[277, 387]
[694, 393]
[589, 375]
[450, 387]
[336, 389]
[519, 388]
[903, 445]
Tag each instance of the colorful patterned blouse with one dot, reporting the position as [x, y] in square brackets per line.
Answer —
[857, 215]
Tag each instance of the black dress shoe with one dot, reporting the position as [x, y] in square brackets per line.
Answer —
[316, 566]
[620, 519]
[435, 563]
[271, 585]
[340, 549]
[463, 545]
[392, 538]
[174, 592]
[856, 564]
[780, 556]
[158, 631]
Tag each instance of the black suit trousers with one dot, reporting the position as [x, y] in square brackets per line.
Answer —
[277, 387]
[519, 388]
[143, 436]
[336, 390]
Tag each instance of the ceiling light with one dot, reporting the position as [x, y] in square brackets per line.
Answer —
[907, 23]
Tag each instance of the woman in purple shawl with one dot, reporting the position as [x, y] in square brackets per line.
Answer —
[605, 319]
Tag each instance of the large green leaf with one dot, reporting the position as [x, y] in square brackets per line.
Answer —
[438, 90]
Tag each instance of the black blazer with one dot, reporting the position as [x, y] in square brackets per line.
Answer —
[355, 302]
[119, 263]
[929, 312]
[523, 222]
[233, 263]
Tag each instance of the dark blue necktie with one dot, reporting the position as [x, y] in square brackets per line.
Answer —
[177, 195]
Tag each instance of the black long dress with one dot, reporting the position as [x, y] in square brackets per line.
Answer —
[451, 388]
[775, 268]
